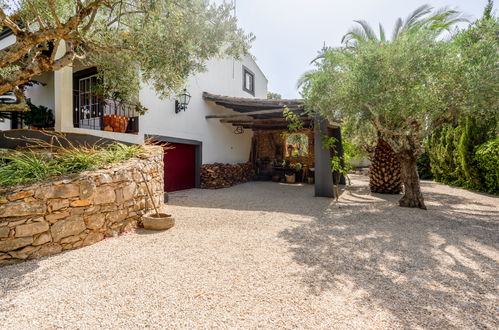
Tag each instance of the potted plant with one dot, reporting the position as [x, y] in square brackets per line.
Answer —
[155, 220]
[296, 166]
[39, 117]
[291, 178]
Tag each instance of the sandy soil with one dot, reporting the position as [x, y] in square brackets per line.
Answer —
[268, 255]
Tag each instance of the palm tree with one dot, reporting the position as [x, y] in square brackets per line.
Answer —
[385, 169]
[423, 17]
[384, 174]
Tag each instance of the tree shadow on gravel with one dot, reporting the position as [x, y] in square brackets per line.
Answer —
[430, 269]
[435, 268]
[16, 277]
[12, 278]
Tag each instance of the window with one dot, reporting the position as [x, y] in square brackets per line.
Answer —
[248, 81]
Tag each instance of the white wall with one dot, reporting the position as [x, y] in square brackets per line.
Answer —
[43, 94]
[7, 41]
[5, 125]
[220, 144]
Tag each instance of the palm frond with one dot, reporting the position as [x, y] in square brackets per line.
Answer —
[304, 78]
[382, 36]
[416, 16]
[368, 30]
[397, 28]
[444, 18]
[321, 53]
[355, 35]
[359, 34]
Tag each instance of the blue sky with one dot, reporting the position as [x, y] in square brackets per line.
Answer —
[290, 32]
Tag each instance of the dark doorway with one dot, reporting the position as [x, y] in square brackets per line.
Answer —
[180, 167]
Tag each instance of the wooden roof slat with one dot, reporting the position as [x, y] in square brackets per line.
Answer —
[253, 102]
[252, 113]
[245, 114]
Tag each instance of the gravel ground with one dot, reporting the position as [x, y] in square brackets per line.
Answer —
[267, 255]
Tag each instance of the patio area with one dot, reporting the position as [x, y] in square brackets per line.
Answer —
[265, 254]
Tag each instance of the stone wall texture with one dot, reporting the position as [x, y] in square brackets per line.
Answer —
[52, 216]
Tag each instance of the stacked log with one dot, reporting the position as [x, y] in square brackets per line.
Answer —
[218, 175]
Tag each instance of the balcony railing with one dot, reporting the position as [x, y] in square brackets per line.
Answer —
[94, 112]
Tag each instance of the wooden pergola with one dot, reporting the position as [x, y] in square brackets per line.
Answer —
[265, 114]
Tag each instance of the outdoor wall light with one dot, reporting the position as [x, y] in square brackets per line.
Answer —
[182, 101]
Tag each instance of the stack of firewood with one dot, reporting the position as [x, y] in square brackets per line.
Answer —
[214, 176]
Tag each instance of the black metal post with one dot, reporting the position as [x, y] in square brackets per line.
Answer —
[323, 177]
[338, 147]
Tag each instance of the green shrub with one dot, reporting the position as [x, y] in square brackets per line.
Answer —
[473, 135]
[17, 167]
[22, 167]
[79, 160]
[444, 160]
[487, 160]
[119, 152]
[39, 116]
[452, 154]
[424, 168]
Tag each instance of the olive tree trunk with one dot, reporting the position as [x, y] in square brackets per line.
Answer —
[412, 190]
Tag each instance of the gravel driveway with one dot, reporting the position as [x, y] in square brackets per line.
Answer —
[267, 255]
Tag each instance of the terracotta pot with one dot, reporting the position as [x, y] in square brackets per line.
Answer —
[291, 178]
[152, 222]
[106, 120]
[113, 122]
[119, 123]
[123, 124]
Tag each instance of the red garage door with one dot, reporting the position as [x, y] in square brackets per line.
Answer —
[180, 167]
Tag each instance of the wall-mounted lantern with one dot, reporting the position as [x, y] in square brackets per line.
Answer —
[182, 101]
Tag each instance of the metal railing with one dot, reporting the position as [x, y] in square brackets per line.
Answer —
[94, 112]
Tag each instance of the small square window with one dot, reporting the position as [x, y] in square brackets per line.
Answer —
[248, 81]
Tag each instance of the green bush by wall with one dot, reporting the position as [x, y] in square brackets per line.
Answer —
[454, 157]
[487, 159]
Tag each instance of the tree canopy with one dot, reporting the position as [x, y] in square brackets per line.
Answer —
[156, 41]
[407, 87]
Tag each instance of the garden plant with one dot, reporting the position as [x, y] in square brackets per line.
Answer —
[408, 87]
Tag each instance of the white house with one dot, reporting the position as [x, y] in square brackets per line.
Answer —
[223, 122]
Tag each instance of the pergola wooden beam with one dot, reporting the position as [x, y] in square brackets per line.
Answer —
[264, 112]
[253, 102]
[261, 121]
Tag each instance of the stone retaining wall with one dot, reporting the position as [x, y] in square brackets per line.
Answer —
[49, 217]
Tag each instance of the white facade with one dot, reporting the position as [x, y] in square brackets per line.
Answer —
[219, 143]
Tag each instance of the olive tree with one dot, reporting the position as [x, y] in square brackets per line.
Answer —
[129, 41]
[404, 89]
